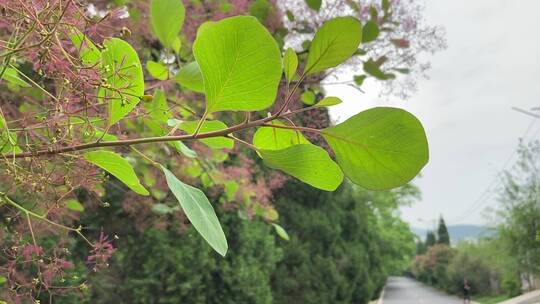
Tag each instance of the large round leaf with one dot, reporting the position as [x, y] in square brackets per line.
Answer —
[125, 79]
[380, 148]
[335, 42]
[240, 63]
[309, 163]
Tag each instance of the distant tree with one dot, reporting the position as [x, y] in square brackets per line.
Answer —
[442, 233]
[431, 239]
[420, 247]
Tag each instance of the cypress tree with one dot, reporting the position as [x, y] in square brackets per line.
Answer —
[442, 233]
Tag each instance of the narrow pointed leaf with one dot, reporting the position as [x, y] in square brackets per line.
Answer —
[167, 19]
[122, 69]
[309, 163]
[380, 148]
[335, 42]
[118, 167]
[328, 101]
[290, 64]
[281, 232]
[199, 211]
[240, 63]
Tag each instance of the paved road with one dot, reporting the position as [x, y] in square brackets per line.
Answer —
[401, 290]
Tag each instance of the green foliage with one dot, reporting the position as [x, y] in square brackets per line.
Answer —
[8, 139]
[12, 76]
[209, 126]
[370, 31]
[373, 68]
[240, 63]
[290, 64]
[190, 77]
[167, 19]
[309, 163]
[199, 211]
[314, 4]
[125, 80]
[328, 101]
[308, 97]
[281, 232]
[431, 239]
[269, 138]
[332, 45]
[88, 52]
[442, 233]
[260, 9]
[157, 70]
[74, 205]
[380, 148]
[118, 167]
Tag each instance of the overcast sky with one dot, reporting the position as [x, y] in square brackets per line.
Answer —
[492, 63]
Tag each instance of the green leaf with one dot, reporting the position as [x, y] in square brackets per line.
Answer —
[167, 19]
[370, 31]
[290, 64]
[157, 70]
[328, 101]
[118, 167]
[240, 63]
[372, 68]
[3, 281]
[359, 79]
[88, 52]
[260, 9]
[281, 232]
[209, 126]
[161, 209]
[269, 138]
[158, 107]
[290, 15]
[380, 148]
[309, 163]
[74, 205]
[308, 97]
[125, 80]
[402, 70]
[190, 77]
[335, 42]
[314, 4]
[385, 6]
[12, 76]
[8, 140]
[199, 211]
[177, 45]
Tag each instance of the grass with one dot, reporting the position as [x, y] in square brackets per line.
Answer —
[491, 299]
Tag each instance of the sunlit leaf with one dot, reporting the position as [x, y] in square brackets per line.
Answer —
[209, 126]
[290, 64]
[167, 18]
[125, 81]
[380, 148]
[74, 205]
[269, 138]
[328, 101]
[281, 232]
[309, 163]
[118, 167]
[158, 107]
[8, 139]
[308, 97]
[240, 63]
[370, 31]
[190, 77]
[157, 70]
[12, 76]
[88, 52]
[199, 211]
[335, 42]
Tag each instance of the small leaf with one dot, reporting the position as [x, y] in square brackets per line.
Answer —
[88, 52]
[118, 167]
[308, 97]
[199, 211]
[158, 108]
[3, 281]
[269, 138]
[370, 31]
[290, 15]
[190, 77]
[372, 68]
[157, 70]
[209, 126]
[125, 80]
[8, 140]
[309, 163]
[74, 205]
[176, 45]
[328, 101]
[380, 148]
[385, 6]
[333, 44]
[290, 64]
[12, 76]
[281, 232]
[402, 70]
[260, 9]
[314, 4]
[161, 209]
[359, 79]
[240, 63]
[167, 19]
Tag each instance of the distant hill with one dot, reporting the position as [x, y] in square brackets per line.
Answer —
[459, 232]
